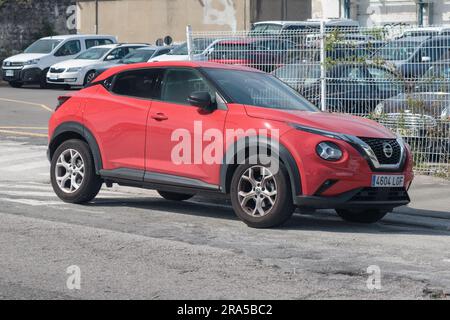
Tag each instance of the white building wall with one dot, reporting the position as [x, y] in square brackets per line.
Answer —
[376, 12]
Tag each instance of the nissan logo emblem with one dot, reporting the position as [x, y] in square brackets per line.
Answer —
[388, 150]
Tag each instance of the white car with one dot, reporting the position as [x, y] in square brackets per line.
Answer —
[82, 69]
[31, 67]
[201, 48]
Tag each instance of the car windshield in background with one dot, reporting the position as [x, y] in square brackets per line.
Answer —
[258, 89]
[198, 46]
[397, 50]
[138, 56]
[93, 54]
[436, 79]
[43, 46]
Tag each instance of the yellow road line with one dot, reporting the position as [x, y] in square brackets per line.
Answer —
[28, 134]
[43, 106]
[29, 128]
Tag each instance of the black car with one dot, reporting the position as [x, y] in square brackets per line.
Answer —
[350, 87]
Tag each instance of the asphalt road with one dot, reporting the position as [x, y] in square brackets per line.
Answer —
[130, 243]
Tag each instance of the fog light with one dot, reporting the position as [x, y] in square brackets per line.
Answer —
[329, 151]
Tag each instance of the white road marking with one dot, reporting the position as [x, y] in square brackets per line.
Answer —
[446, 260]
[28, 166]
[19, 157]
[32, 202]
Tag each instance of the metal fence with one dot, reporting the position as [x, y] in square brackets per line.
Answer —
[398, 76]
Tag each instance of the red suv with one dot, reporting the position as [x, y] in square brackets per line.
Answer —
[186, 128]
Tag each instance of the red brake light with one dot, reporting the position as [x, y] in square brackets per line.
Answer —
[61, 101]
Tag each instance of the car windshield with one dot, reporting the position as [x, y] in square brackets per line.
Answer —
[266, 29]
[138, 56]
[43, 46]
[230, 51]
[198, 46]
[298, 73]
[258, 89]
[397, 50]
[436, 79]
[93, 54]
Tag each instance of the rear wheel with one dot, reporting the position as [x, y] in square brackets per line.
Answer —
[15, 84]
[173, 196]
[261, 198]
[361, 215]
[73, 175]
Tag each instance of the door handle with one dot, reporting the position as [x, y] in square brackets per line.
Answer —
[160, 117]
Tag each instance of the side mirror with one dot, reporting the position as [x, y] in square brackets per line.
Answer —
[110, 57]
[426, 59]
[201, 99]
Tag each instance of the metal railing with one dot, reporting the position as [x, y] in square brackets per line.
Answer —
[398, 76]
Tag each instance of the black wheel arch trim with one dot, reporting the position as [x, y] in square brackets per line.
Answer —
[283, 153]
[80, 129]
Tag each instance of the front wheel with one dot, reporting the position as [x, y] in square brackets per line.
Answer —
[361, 215]
[260, 197]
[173, 196]
[73, 175]
[89, 77]
[15, 84]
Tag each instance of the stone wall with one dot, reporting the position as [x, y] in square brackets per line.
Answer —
[24, 21]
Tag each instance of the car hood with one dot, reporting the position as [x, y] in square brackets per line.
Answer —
[426, 103]
[24, 57]
[169, 57]
[75, 63]
[335, 122]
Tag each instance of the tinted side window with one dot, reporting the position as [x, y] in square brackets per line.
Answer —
[70, 48]
[137, 83]
[178, 84]
[97, 42]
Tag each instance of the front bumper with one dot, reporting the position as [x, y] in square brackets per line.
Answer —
[374, 198]
[74, 79]
[24, 75]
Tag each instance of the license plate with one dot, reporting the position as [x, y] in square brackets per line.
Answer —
[9, 73]
[53, 77]
[385, 181]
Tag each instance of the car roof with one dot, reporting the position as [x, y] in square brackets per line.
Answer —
[166, 64]
[117, 45]
[77, 36]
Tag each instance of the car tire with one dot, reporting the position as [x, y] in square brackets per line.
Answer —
[362, 216]
[89, 77]
[250, 199]
[74, 158]
[174, 196]
[43, 81]
[15, 84]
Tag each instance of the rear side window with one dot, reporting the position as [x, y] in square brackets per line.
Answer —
[97, 42]
[137, 83]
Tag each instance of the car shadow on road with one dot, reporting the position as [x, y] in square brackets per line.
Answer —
[323, 220]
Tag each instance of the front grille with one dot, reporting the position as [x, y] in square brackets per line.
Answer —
[56, 70]
[378, 147]
[381, 194]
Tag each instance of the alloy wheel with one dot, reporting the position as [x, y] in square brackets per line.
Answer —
[70, 171]
[257, 191]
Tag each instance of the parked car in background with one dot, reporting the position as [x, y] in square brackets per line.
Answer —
[31, 66]
[423, 116]
[200, 48]
[350, 87]
[82, 69]
[413, 56]
[426, 31]
[140, 55]
[261, 53]
[272, 28]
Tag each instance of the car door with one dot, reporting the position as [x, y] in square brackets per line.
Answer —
[173, 120]
[118, 118]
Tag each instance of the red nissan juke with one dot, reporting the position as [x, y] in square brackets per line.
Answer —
[184, 128]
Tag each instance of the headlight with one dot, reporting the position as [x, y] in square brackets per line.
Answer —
[73, 69]
[329, 151]
[31, 62]
[379, 109]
